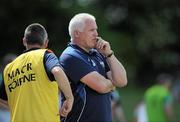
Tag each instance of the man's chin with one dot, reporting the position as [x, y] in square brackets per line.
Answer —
[94, 46]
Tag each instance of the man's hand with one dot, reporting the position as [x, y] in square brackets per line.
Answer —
[66, 107]
[103, 46]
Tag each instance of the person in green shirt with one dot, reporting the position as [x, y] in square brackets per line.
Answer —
[158, 100]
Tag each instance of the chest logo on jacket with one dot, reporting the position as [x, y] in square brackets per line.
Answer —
[92, 62]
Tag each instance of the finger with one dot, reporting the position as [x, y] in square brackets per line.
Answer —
[99, 39]
[100, 44]
[62, 110]
[64, 113]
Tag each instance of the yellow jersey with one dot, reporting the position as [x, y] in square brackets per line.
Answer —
[32, 97]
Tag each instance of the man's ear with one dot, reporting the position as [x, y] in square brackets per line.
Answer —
[46, 43]
[24, 42]
[76, 33]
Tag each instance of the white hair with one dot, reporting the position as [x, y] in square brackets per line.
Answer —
[78, 22]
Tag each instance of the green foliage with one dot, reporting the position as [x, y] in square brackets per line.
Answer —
[17, 14]
[143, 34]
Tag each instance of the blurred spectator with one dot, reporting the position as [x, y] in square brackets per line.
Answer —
[158, 100]
[117, 110]
[6, 59]
[4, 109]
[140, 112]
[176, 91]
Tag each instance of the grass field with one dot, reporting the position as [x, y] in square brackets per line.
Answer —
[130, 97]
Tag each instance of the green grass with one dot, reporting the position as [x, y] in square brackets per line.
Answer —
[131, 96]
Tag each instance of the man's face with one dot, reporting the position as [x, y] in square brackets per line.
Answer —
[89, 34]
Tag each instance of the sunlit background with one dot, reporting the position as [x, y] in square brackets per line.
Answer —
[144, 34]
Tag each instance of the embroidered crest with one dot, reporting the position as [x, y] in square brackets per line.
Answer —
[92, 62]
[102, 64]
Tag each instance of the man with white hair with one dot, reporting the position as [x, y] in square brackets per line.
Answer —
[92, 69]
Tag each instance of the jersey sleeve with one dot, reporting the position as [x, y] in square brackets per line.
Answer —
[74, 67]
[50, 61]
[107, 69]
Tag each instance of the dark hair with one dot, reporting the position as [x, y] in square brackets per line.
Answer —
[164, 77]
[35, 34]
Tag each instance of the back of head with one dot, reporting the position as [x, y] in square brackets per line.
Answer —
[78, 22]
[165, 79]
[35, 34]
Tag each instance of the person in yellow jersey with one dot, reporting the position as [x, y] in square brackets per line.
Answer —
[31, 82]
